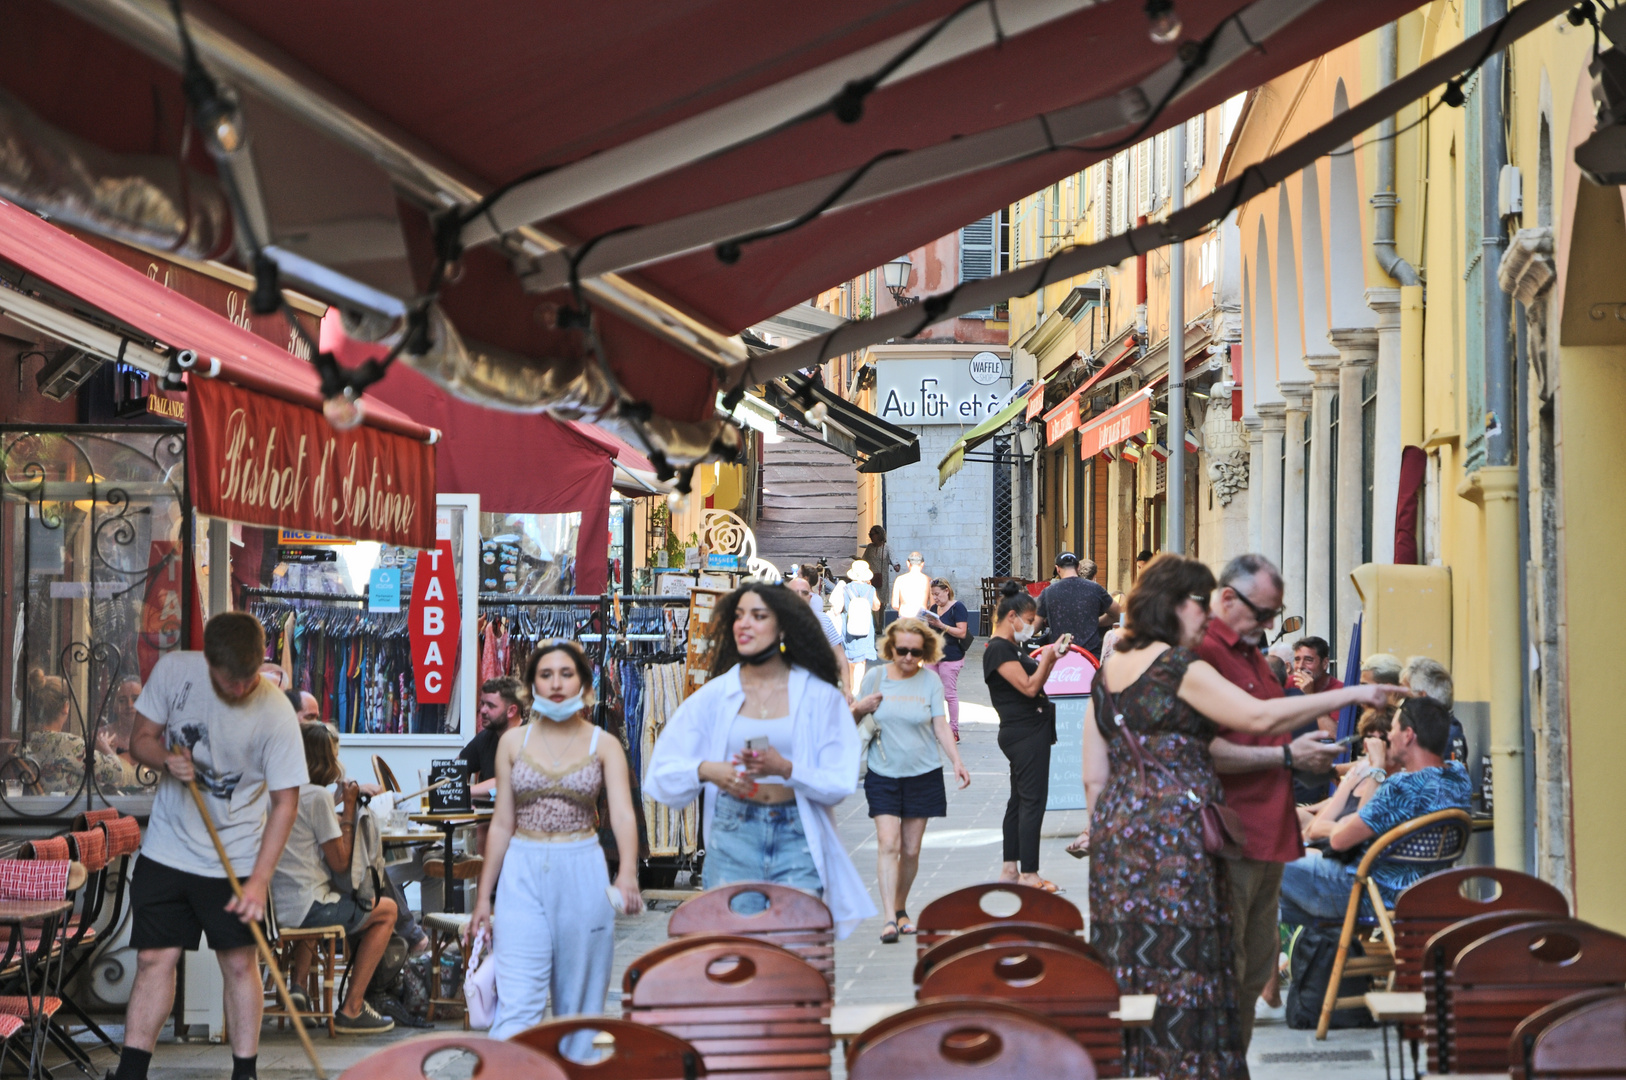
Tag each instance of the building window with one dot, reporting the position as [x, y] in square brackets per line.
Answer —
[1196, 144]
[978, 252]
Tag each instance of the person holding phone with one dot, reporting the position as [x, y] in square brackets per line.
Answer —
[769, 744]
[904, 784]
[949, 618]
[1027, 729]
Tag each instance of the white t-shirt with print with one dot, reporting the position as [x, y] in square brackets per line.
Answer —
[241, 752]
[302, 876]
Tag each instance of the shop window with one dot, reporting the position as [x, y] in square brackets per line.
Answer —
[95, 549]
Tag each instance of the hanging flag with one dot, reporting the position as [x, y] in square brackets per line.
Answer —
[1159, 451]
[1131, 450]
[1193, 444]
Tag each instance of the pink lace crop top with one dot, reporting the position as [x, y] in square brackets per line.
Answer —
[554, 804]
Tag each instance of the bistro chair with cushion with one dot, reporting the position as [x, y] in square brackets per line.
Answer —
[1071, 990]
[435, 1056]
[794, 920]
[969, 1040]
[32, 964]
[631, 1051]
[1003, 934]
[1511, 973]
[1432, 839]
[976, 905]
[749, 1008]
[1587, 1041]
[1439, 960]
[446, 930]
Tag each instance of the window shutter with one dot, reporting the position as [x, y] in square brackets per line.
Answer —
[1143, 179]
[977, 253]
[1164, 153]
[1196, 145]
[1120, 193]
[1103, 200]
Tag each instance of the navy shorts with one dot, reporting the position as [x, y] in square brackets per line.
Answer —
[920, 796]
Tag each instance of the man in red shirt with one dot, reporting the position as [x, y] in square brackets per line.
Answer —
[1309, 676]
[1257, 772]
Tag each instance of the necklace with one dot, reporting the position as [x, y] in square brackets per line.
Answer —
[758, 703]
[557, 759]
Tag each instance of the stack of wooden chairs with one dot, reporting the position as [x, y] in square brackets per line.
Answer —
[793, 920]
[748, 1007]
[1583, 1036]
[987, 1040]
[1034, 958]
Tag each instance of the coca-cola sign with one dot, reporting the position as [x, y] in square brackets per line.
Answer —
[1073, 674]
[265, 461]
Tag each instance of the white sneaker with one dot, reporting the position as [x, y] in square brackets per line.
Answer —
[1263, 1013]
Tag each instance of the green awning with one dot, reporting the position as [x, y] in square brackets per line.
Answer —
[982, 433]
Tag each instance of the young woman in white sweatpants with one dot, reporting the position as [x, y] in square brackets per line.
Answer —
[554, 931]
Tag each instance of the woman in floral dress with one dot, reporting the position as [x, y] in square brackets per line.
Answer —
[1159, 904]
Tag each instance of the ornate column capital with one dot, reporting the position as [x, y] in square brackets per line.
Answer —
[1324, 369]
[1273, 417]
[1356, 345]
[1297, 395]
[1385, 302]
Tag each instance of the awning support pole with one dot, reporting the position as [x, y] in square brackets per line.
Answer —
[1174, 490]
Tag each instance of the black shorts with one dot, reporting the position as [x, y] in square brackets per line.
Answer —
[920, 796]
[172, 909]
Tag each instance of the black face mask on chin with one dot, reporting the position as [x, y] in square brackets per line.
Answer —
[762, 657]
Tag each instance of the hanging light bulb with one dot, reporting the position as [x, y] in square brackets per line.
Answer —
[1164, 20]
[342, 410]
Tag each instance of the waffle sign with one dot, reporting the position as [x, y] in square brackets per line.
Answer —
[434, 621]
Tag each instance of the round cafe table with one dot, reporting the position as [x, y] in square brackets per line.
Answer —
[449, 823]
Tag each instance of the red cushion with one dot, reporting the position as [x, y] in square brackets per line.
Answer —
[9, 1025]
[17, 1005]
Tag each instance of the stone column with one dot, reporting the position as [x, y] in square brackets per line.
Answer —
[1357, 350]
[1256, 506]
[1120, 567]
[1320, 618]
[1273, 415]
[1293, 507]
[1386, 434]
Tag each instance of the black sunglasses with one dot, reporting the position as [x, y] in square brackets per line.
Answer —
[1262, 614]
[903, 650]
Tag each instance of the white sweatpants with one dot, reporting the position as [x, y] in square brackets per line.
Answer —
[554, 934]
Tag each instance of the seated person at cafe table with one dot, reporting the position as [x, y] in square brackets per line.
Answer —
[1315, 887]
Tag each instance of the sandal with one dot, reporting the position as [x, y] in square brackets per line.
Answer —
[904, 925]
[1048, 886]
[889, 933]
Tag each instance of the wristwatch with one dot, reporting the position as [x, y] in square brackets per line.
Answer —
[1380, 775]
[1287, 757]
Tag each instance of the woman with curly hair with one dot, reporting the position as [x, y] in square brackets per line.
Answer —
[904, 784]
[770, 745]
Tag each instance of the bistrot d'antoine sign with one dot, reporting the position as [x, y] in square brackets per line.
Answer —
[263, 461]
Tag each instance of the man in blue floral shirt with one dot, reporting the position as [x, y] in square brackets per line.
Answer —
[1316, 889]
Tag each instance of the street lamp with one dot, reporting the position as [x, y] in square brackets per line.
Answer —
[896, 274]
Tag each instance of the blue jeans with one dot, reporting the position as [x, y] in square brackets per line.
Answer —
[754, 842]
[1316, 889]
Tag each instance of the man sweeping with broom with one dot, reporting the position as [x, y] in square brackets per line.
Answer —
[209, 718]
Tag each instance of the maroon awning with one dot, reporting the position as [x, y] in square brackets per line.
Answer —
[645, 117]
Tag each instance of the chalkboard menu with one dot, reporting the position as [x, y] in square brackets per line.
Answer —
[454, 794]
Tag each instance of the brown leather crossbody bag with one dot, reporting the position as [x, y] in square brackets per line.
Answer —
[1222, 829]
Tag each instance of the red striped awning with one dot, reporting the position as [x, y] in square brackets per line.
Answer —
[1123, 421]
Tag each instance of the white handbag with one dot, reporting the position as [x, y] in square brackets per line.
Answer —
[480, 983]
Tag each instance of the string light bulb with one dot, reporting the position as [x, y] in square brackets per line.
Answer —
[1165, 21]
[342, 410]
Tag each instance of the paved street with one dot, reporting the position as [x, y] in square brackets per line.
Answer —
[960, 850]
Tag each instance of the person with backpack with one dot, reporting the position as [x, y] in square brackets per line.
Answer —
[321, 845]
[854, 604]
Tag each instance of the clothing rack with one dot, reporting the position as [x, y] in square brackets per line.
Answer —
[289, 594]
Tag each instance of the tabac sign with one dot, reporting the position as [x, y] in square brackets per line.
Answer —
[256, 459]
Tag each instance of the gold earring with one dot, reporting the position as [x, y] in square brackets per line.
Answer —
[782, 649]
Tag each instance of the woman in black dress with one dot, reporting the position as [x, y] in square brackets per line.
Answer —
[1159, 904]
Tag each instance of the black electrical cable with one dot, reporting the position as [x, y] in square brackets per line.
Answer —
[728, 251]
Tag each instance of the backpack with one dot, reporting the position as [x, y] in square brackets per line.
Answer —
[1312, 955]
[860, 623]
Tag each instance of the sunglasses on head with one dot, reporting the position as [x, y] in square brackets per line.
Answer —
[904, 650]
